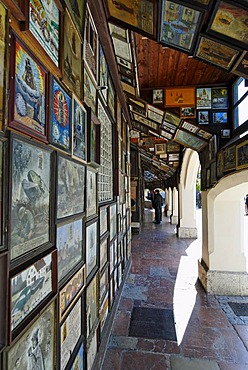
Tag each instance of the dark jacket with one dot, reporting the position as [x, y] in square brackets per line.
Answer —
[157, 201]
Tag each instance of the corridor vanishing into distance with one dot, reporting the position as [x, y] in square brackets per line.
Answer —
[165, 320]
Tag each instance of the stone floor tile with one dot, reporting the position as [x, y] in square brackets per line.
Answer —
[230, 366]
[182, 363]
[242, 331]
[144, 361]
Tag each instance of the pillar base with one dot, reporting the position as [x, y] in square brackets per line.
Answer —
[169, 213]
[223, 282]
[187, 232]
[174, 220]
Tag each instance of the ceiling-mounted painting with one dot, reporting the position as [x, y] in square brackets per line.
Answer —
[140, 15]
[77, 10]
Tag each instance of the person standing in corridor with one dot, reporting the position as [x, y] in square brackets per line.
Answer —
[157, 205]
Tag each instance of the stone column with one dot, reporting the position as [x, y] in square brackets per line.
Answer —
[174, 216]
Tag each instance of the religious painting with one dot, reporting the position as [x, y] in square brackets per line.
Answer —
[229, 21]
[119, 32]
[160, 148]
[104, 252]
[241, 67]
[204, 98]
[103, 220]
[91, 48]
[189, 127]
[179, 96]
[89, 91]
[217, 53]
[29, 288]
[69, 243]
[30, 199]
[91, 246]
[70, 187]
[2, 189]
[111, 97]
[93, 142]
[61, 117]
[242, 155]
[3, 16]
[179, 25]
[103, 74]
[43, 22]
[203, 117]
[157, 96]
[220, 164]
[91, 192]
[139, 15]
[189, 140]
[79, 130]
[77, 11]
[28, 92]
[187, 112]
[220, 117]
[113, 221]
[72, 58]
[225, 133]
[78, 363]
[92, 305]
[36, 349]
[229, 158]
[204, 134]
[219, 98]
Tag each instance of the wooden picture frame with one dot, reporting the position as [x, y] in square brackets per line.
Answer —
[213, 175]
[155, 114]
[241, 67]
[27, 347]
[16, 8]
[228, 21]
[179, 97]
[69, 243]
[70, 291]
[3, 189]
[157, 96]
[242, 155]
[203, 117]
[119, 32]
[229, 158]
[70, 185]
[47, 35]
[103, 74]
[124, 63]
[187, 112]
[92, 248]
[91, 193]
[140, 17]
[189, 140]
[92, 305]
[72, 56]
[28, 92]
[79, 130]
[30, 198]
[203, 98]
[30, 289]
[212, 148]
[90, 46]
[60, 130]
[220, 98]
[3, 62]
[89, 91]
[111, 98]
[77, 9]
[185, 17]
[220, 164]
[93, 139]
[160, 148]
[71, 332]
[216, 52]
[4, 307]
[220, 117]
[104, 248]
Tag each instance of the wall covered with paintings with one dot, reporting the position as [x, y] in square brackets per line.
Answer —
[65, 225]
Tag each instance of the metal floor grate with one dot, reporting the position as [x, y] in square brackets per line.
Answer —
[152, 323]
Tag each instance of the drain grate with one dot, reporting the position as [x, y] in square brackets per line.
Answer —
[152, 323]
[240, 309]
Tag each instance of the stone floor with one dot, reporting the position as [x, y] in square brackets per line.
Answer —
[164, 276]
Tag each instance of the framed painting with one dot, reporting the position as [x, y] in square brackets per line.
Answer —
[104, 281]
[92, 347]
[212, 148]
[140, 16]
[37, 346]
[15, 7]
[160, 149]
[122, 49]
[213, 177]
[229, 158]
[91, 192]
[124, 63]
[217, 53]
[203, 117]
[187, 112]
[169, 127]
[77, 11]
[220, 164]
[208, 174]
[28, 92]
[204, 3]
[31, 287]
[189, 127]
[157, 96]
[43, 22]
[189, 140]
[91, 48]
[60, 131]
[72, 56]
[70, 187]
[93, 141]
[92, 246]
[92, 305]
[69, 243]
[2, 192]
[126, 71]
[103, 74]
[4, 307]
[119, 32]
[71, 291]
[89, 91]
[179, 96]
[172, 147]
[220, 117]
[225, 134]
[179, 25]
[204, 134]
[103, 312]
[111, 98]
[204, 98]
[3, 47]
[219, 98]
[30, 197]
[242, 155]
[71, 331]
[104, 245]
[112, 221]
[172, 118]
[78, 362]
[229, 22]
[155, 114]
[241, 67]
[79, 130]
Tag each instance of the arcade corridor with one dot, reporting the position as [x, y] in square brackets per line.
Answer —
[208, 334]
